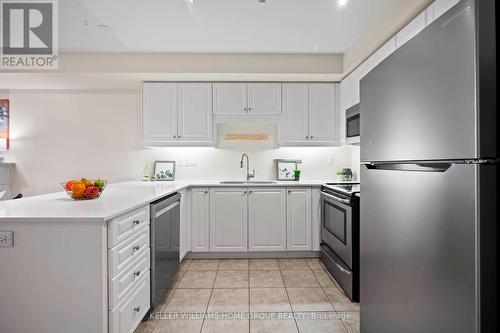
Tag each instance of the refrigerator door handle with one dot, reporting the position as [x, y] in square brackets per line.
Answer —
[415, 166]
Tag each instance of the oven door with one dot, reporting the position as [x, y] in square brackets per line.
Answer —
[336, 226]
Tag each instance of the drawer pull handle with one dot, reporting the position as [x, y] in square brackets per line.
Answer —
[136, 222]
[136, 248]
[137, 309]
[136, 274]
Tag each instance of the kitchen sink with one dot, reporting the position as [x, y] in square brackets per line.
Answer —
[249, 182]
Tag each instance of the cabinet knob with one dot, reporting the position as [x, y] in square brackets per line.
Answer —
[311, 136]
[250, 192]
[178, 136]
[245, 192]
[289, 191]
[137, 309]
[249, 109]
[136, 222]
[206, 192]
[174, 136]
[307, 137]
[136, 248]
[136, 274]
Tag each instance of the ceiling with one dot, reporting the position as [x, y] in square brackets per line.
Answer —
[215, 26]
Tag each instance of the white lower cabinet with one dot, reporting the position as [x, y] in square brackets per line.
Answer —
[266, 219]
[200, 214]
[127, 316]
[228, 219]
[299, 236]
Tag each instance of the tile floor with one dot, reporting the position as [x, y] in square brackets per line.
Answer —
[253, 295]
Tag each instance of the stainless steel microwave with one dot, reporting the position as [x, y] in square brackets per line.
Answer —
[352, 125]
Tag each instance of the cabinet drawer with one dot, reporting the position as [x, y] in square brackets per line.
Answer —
[124, 282]
[128, 315]
[127, 252]
[124, 226]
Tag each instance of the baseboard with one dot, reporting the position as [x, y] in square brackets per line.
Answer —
[252, 255]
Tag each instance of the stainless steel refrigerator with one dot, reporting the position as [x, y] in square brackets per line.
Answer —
[429, 180]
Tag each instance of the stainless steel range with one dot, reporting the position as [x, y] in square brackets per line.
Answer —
[340, 235]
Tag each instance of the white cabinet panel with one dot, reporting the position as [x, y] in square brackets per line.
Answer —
[124, 226]
[228, 220]
[322, 112]
[438, 8]
[411, 29]
[230, 98]
[316, 218]
[266, 219]
[195, 111]
[159, 112]
[200, 215]
[299, 219]
[376, 58]
[295, 112]
[264, 98]
[128, 315]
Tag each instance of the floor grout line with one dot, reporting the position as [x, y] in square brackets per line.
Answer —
[289, 301]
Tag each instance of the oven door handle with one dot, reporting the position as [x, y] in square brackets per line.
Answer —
[341, 200]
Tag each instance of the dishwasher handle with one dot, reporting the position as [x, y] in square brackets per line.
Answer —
[166, 209]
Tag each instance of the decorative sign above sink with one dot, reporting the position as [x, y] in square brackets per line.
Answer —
[247, 135]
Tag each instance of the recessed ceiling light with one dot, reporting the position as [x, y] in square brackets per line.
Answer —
[262, 1]
[105, 28]
[341, 3]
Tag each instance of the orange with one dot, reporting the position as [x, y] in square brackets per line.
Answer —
[78, 189]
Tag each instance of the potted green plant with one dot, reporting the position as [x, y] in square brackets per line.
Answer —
[344, 175]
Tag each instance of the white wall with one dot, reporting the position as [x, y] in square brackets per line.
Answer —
[57, 135]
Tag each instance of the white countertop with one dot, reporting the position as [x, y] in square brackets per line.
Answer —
[115, 200]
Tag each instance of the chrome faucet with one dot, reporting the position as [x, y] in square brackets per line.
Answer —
[249, 174]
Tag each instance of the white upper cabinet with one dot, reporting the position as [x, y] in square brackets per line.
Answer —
[376, 58]
[322, 112]
[195, 111]
[266, 219]
[438, 8]
[228, 220]
[309, 114]
[411, 29]
[264, 98]
[299, 229]
[200, 214]
[247, 98]
[159, 113]
[230, 98]
[176, 113]
[295, 112]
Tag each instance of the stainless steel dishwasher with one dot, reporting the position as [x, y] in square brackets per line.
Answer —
[165, 228]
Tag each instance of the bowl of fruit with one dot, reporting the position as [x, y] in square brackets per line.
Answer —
[84, 189]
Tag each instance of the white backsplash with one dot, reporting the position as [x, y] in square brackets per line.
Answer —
[60, 135]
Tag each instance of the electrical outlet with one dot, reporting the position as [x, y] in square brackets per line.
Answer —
[331, 161]
[6, 238]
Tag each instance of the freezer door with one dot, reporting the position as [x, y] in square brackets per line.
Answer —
[419, 103]
[418, 250]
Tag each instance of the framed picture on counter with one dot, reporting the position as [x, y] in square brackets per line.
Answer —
[286, 169]
[164, 170]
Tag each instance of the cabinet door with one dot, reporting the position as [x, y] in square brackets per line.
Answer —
[266, 219]
[438, 8]
[376, 58]
[298, 219]
[200, 214]
[195, 111]
[159, 113]
[230, 98]
[322, 112]
[295, 112]
[228, 220]
[264, 98]
[411, 29]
